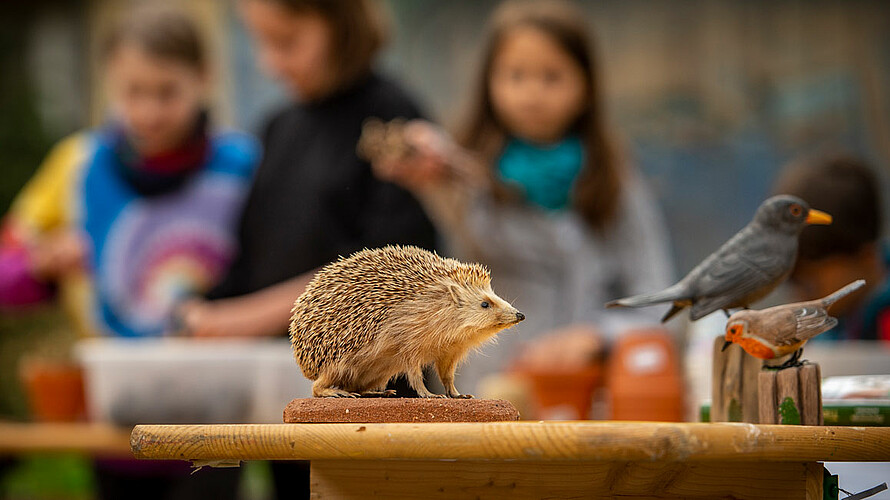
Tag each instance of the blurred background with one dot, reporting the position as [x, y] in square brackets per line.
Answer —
[710, 99]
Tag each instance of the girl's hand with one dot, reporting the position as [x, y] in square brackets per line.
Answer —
[205, 319]
[58, 253]
[570, 348]
[413, 155]
[262, 313]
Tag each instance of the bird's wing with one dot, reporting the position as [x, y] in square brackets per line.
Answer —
[740, 271]
[729, 278]
[811, 321]
[750, 261]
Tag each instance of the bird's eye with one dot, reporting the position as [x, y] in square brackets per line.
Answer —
[485, 305]
[796, 210]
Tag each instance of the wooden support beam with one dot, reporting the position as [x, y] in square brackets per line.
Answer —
[431, 479]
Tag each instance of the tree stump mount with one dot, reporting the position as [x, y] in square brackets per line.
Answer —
[791, 395]
[745, 389]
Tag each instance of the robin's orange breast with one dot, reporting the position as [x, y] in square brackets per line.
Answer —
[756, 348]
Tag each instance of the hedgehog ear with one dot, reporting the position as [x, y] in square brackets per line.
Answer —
[454, 292]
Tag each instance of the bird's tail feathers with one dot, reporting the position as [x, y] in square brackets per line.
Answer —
[843, 292]
[676, 292]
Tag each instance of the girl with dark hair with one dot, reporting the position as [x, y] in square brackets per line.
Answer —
[533, 186]
[132, 217]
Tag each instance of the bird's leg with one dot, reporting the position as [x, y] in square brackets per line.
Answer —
[446, 367]
[796, 357]
[792, 362]
[415, 380]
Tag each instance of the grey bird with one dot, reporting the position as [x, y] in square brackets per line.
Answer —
[746, 268]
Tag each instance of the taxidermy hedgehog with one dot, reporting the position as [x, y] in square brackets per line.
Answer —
[393, 310]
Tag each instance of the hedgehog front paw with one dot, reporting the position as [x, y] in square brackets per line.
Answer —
[388, 393]
[329, 392]
[345, 394]
[431, 395]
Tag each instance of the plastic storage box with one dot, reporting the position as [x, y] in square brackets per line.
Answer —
[130, 381]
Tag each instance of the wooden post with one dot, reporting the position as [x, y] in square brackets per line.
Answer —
[734, 385]
[788, 396]
[718, 365]
[767, 403]
[791, 396]
[751, 367]
[811, 395]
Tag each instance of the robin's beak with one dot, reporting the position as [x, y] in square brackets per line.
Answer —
[725, 345]
[818, 217]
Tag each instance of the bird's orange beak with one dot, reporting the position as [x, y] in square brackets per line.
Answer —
[818, 217]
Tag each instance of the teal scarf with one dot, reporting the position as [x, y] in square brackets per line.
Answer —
[545, 174]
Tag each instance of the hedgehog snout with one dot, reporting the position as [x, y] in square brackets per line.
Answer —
[519, 316]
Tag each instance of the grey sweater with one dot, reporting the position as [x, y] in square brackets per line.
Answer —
[556, 270]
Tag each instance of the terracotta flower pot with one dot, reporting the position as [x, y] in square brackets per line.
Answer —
[55, 390]
[563, 394]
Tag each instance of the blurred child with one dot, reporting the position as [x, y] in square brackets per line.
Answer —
[132, 217]
[850, 248]
[534, 188]
[135, 215]
[312, 199]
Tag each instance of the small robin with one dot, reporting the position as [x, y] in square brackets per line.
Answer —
[781, 330]
[746, 268]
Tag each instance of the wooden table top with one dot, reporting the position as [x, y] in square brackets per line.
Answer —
[93, 439]
[524, 440]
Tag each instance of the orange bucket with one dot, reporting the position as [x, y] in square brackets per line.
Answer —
[55, 390]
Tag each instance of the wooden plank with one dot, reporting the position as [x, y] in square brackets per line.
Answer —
[93, 439]
[612, 441]
[766, 382]
[788, 396]
[400, 479]
[810, 395]
[718, 366]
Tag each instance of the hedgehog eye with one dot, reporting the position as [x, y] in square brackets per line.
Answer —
[796, 210]
[485, 304]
